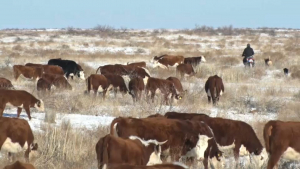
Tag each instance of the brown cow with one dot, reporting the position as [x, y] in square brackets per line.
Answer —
[185, 69]
[134, 151]
[137, 64]
[97, 83]
[19, 165]
[178, 86]
[16, 136]
[122, 70]
[175, 165]
[50, 69]
[5, 84]
[136, 86]
[166, 87]
[27, 72]
[195, 61]
[43, 85]
[165, 61]
[20, 99]
[268, 62]
[214, 88]
[229, 134]
[185, 138]
[60, 82]
[118, 82]
[282, 140]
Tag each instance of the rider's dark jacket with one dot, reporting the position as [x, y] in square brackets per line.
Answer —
[248, 52]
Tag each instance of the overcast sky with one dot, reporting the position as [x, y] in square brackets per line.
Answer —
[142, 14]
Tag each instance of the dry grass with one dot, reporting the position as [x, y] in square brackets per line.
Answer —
[68, 147]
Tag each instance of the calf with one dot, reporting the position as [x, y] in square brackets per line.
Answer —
[137, 64]
[27, 72]
[185, 138]
[185, 69]
[214, 88]
[177, 85]
[19, 165]
[166, 87]
[43, 85]
[175, 165]
[97, 83]
[5, 84]
[134, 151]
[16, 136]
[20, 99]
[230, 135]
[136, 87]
[118, 82]
[282, 140]
[165, 61]
[60, 82]
[195, 61]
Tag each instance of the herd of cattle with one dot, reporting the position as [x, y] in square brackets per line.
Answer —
[143, 143]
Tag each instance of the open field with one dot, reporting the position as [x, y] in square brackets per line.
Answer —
[75, 122]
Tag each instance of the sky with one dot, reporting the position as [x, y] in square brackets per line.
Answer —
[151, 14]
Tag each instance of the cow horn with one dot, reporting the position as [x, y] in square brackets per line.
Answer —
[161, 143]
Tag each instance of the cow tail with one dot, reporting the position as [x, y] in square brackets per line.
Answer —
[267, 133]
[101, 150]
[114, 126]
[98, 69]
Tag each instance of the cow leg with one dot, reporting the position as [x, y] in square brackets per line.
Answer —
[152, 96]
[209, 99]
[274, 158]
[11, 157]
[26, 155]
[236, 153]
[214, 100]
[115, 91]
[19, 111]
[27, 109]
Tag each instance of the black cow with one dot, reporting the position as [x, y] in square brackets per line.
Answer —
[70, 67]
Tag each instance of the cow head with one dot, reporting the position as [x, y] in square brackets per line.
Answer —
[259, 157]
[33, 151]
[195, 147]
[80, 72]
[39, 105]
[154, 147]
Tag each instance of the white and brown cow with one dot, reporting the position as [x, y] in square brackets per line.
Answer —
[165, 87]
[230, 134]
[134, 151]
[194, 61]
[282, 140]
[16, 136]
[185, 69]
[20, 99]
[214, 88]
[175, 165]
[165, 61]
[186, 139]
[136, 86]
[178, 86]
[97, 83]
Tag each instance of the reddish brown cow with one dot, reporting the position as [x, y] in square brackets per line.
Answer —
[185, 69]
[195, 61]
[166, 87]
[282, 140]
[5, 84]
[60, 82]
[178, 86]
[229, 134]
[19, 165]
[165, 61]
[137, 64]
[16, 136]
[20, 99]
[134, 151]
[136, 87]
[122, 70]
[185, 138]
[214, 88]
[43, 85]
[97, 83]
[49, 69]
[27, 72]
[118, 82]
[157, 166]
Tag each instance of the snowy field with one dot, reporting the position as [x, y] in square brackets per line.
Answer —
[253, 95]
